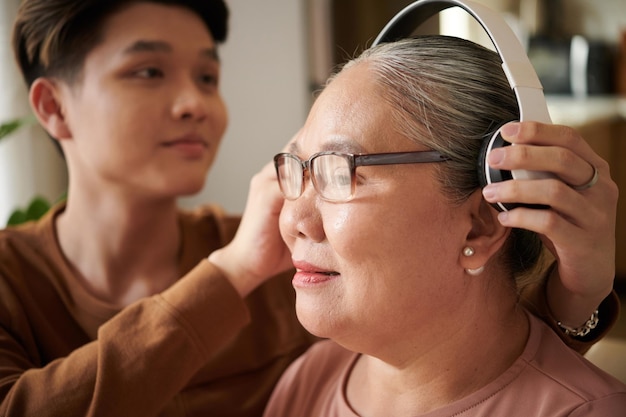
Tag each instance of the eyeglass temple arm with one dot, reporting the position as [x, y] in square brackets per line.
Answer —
[399, 158]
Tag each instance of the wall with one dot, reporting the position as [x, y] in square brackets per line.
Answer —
[29, 163]
[601, 20]
[265, 85]
[598, 19]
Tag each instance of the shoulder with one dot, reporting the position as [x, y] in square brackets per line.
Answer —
[210, 218]
[567, 378]
[203, 230]
[29, 243]
[548, 379]
[31, 281]
[313, 381]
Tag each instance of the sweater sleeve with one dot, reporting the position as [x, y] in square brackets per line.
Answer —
[128, 370]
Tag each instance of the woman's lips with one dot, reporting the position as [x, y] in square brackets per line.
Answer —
[308, 275]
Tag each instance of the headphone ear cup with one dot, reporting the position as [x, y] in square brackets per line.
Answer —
[488, 175]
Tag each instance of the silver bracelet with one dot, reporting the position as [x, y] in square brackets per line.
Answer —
[583, 330]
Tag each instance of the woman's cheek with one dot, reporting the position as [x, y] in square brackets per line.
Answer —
[284, 227]
[341, 219]
[347, 226]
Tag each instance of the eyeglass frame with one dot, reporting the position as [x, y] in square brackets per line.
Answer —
[357, 160]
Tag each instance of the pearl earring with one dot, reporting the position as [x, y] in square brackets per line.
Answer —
[469, 251]
[476, 271]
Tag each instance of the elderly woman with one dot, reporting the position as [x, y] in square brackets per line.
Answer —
[402, 262]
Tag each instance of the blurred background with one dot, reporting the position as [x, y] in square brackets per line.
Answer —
[279, 52]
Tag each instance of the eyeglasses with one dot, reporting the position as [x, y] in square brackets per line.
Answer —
[333, 173]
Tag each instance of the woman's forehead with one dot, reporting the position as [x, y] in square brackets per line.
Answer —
[334, 143]
[349, 112]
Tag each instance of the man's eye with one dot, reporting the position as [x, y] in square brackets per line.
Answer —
[209, 79]
[150, 73]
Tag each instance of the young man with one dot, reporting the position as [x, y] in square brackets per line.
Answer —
[108, 305]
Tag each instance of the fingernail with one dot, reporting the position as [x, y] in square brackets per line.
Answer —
[510, 129]
[489, 192]
[495, 156]
[503, 217]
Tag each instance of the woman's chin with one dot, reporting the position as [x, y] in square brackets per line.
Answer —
[320, 322]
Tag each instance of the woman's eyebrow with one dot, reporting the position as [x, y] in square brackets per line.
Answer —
[341, 143]
[334, 144]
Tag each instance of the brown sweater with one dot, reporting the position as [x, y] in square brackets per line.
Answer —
[197, 349]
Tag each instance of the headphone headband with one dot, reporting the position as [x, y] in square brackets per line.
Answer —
[516, 65]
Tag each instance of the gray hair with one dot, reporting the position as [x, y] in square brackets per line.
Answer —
[449, 94]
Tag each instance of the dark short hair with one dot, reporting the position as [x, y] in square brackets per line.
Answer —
[53, 37]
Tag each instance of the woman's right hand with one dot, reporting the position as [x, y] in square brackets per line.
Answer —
[579, 226]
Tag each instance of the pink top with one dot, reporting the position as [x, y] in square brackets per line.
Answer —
[548, 379]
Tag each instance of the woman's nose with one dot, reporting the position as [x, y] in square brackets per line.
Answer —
[301, 218]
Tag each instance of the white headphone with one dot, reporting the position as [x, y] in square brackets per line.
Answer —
[516, 65]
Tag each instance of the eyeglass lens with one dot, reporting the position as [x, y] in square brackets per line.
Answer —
[331, 174]
[290, 176]
[332, 177]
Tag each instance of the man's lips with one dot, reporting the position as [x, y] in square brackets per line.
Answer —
[190, 145]
[187, 140]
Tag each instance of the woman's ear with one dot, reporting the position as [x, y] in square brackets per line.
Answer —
[45, 100]
[486, 236]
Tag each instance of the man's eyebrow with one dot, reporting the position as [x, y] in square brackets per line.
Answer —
[148, 46]
[161, 46]
[211, 53]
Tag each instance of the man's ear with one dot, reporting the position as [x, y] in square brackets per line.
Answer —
[486, 236]
[45, 100]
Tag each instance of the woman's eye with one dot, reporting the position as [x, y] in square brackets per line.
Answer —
[150, 73]
[342, 177]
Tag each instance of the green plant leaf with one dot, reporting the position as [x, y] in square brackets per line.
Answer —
[17, 217]
[37, 208]
[9, 127]
[6, 128]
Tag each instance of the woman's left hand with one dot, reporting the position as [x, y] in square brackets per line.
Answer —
[579, 225]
